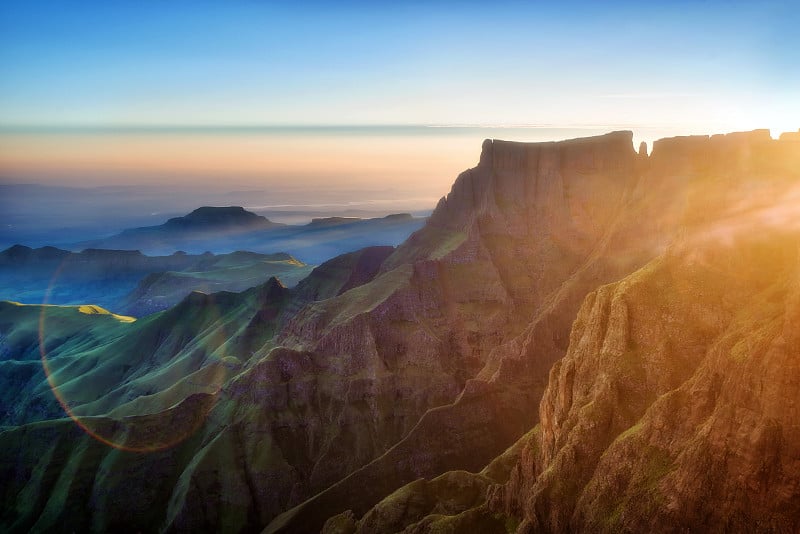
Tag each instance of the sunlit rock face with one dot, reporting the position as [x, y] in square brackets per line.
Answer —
[676, 405]
[386, 366]
[661, 204]
[677, 204]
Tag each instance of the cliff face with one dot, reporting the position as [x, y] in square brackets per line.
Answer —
[676, 405]
[534, 212]
[388, 366]
[535, 183]
[639, 216]
[498, 273]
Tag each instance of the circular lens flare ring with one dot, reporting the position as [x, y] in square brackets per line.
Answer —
[140, 433]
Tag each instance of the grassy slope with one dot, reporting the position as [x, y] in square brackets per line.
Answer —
[133, 284]
[232, 272]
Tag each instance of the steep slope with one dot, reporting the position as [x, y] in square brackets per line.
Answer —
[665, 203]
[95, 362]
[24, 392]
[498, 253]
[232, 272]
[381, 370]
[452, 502]
[156, 388]
[113, 351]
[759, 186]
[675, 406]
[127, 281]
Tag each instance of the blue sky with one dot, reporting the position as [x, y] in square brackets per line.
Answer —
[726, 64]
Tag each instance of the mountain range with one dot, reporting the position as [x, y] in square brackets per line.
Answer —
[582, 337]
[228, 229]
[128, 282]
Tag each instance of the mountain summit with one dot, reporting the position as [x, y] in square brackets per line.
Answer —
[210, 217]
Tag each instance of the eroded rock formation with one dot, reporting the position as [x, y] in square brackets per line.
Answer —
[385, 367]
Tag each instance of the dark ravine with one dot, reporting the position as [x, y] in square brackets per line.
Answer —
[335, 393]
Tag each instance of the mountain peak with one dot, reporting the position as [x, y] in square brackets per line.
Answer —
[220, 216]
[515, 176]
[216, 211]
[271, 291]
[17, 250]
[17, 253]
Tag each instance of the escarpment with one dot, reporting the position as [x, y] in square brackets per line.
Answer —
[675, 407]
[387, 366]
[656, 213]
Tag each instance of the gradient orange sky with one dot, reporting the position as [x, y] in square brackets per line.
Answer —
[241, 160]
[76, 78]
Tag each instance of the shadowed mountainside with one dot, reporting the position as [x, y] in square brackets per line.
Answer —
[631, 216]
[321, 404]
[155, 361]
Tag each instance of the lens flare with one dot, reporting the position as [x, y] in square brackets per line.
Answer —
[146, 433]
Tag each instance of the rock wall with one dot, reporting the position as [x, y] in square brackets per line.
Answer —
[674, 408]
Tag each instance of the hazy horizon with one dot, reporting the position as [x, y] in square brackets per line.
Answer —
[580, 338]
[66, 184]
[321, 108]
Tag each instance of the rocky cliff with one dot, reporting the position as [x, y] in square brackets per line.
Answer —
[661, 205]
[385, 366]
[675, 407]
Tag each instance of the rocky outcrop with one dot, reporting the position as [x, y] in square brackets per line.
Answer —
[674, 408]
[466, 286]
[655, 211]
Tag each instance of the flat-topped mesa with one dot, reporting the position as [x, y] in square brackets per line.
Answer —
[790, 136]
[219, 216]
[571, 182]
[215, 213]
[513, 176]
[737, 153]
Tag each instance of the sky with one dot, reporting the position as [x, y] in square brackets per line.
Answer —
[98, 93]
[725, 63]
